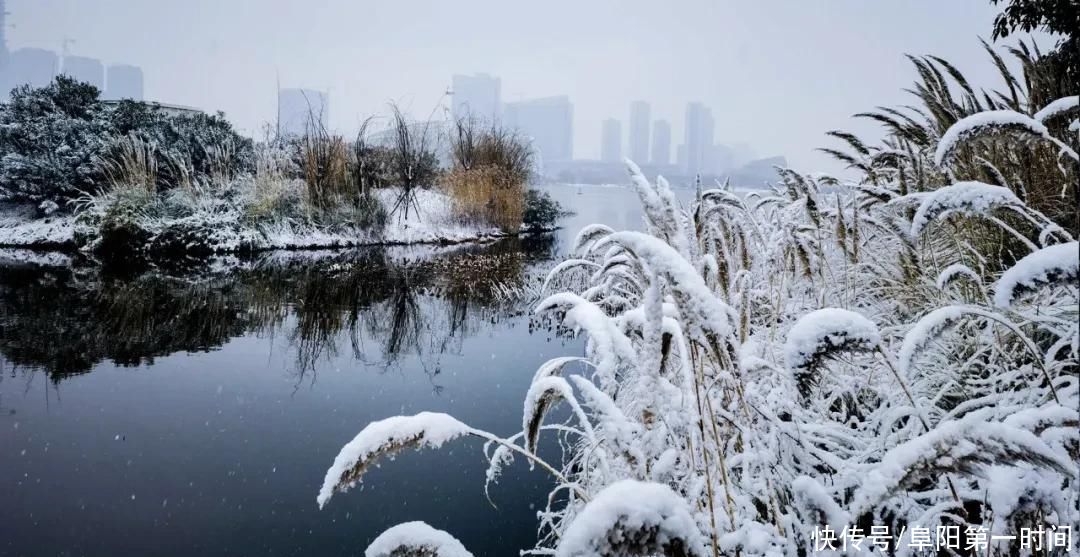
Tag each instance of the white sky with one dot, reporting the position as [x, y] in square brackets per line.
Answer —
[776, 73]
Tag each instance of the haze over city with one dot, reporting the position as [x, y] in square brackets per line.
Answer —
[756, 65]
[479, 278]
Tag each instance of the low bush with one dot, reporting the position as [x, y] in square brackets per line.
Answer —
[60, 141]
[541, 211]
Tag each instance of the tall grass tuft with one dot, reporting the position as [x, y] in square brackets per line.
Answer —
[131, 162]
[491, 168]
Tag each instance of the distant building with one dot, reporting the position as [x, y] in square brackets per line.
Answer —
[547, 122]
[301, 109]
[32, 66]
[680, 157]
[86, 70]
[164, 108]
[124, 82]
[639, 132]
[721, 159]
[476, 96]
[661, 143]
[699, 138]
[5, 56]
[611, 141]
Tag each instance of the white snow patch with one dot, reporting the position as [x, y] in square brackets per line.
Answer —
[1057, 262]
[982, 122]
[418, 536]
[974, 198]
[627, 507]
[1060, 106]
[828, 327]
[955, 271]
[426, 429]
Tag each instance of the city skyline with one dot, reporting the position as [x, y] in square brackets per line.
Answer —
[228, 57]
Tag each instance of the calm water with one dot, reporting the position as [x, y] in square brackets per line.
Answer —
[194, 407]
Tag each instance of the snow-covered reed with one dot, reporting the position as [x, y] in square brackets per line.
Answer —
[766, 365]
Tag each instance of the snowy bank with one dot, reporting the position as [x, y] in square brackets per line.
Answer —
[431, 220]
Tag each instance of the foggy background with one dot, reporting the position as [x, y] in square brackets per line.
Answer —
[776, 74]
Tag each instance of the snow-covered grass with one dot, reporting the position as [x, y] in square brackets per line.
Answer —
[695, 430]
[942, 403]
[223, 224]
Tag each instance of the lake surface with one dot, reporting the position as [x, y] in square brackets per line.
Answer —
[194, 407]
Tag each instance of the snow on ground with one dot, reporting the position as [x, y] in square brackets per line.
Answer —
[1059, 262]
[17, 228]
[430, 221]
[416, 536]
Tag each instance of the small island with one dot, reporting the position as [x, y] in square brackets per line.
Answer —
[124, 178]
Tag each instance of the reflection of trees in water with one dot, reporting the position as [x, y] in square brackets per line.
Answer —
[65, 320]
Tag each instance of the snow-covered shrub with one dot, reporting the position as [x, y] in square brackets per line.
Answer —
[60, 142]
[700, 333]
[415, 539]
[49, 138]
[541, 211]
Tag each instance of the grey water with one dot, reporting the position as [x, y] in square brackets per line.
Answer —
[193, 407]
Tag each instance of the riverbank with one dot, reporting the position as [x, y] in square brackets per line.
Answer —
[225, 230]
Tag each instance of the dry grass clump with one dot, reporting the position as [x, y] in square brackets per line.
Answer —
[1033, 170]
[131, 163]
[324, 167]
[481, 197]
[491, 167]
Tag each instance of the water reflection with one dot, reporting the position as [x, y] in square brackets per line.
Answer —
[65, 316]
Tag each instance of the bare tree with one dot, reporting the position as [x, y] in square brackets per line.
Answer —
[413, 161]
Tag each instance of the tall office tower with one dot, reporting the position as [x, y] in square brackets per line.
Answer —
[699, 138]
[301, 109]
[4, 54]
[639, 132]
[611, 140]
[86, 70]
[32, 66]
[476, 96]
[547, 122]
[661, 143]
[124, 82]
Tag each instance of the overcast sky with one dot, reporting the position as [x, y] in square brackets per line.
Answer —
[777, 74]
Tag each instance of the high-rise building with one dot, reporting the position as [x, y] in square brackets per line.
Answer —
[699, 138]
[301, 110]
[661, 143]
[476, 96]
[124, 82]
[639, 131]
[548, 123]
[611, 140]
[5, 56]
[86, 70]
[32, 66]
